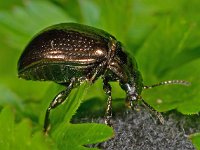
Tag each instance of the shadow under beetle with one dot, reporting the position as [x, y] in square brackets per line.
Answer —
[70, 53]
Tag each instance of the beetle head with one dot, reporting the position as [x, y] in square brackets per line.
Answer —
[133, 93]
[123, 68]
[130, 78]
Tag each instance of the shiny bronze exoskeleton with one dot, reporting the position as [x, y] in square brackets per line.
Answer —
[70, 53]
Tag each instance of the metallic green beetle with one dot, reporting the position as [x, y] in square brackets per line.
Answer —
[70, 53]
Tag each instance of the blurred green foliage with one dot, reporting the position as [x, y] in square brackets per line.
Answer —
[196, 140]
[162, 35]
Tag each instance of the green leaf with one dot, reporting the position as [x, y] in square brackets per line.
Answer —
[162, 35]
[17, 26]
[196, 140]
[90, 12]
[18, 135]
[167, 56]
[76, 136]
[9, 97]
[9, 4]
[64, 112]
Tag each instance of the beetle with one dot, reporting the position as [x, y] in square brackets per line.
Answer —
[69, 53]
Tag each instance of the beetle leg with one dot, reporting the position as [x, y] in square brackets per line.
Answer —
[158, 114]
[107, 89]
[96, 72]
[59, 99]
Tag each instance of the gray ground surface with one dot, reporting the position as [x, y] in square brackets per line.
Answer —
[140, 131]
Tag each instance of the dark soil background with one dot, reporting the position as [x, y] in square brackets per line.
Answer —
[139, 130]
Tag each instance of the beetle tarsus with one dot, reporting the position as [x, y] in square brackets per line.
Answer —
[156, 113]
[46, 121]
[108, 115]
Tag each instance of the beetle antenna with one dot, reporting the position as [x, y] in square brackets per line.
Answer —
[181, 82]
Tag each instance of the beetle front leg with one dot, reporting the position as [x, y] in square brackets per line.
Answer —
[59, 99]
[107, 89]
[158, 114]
